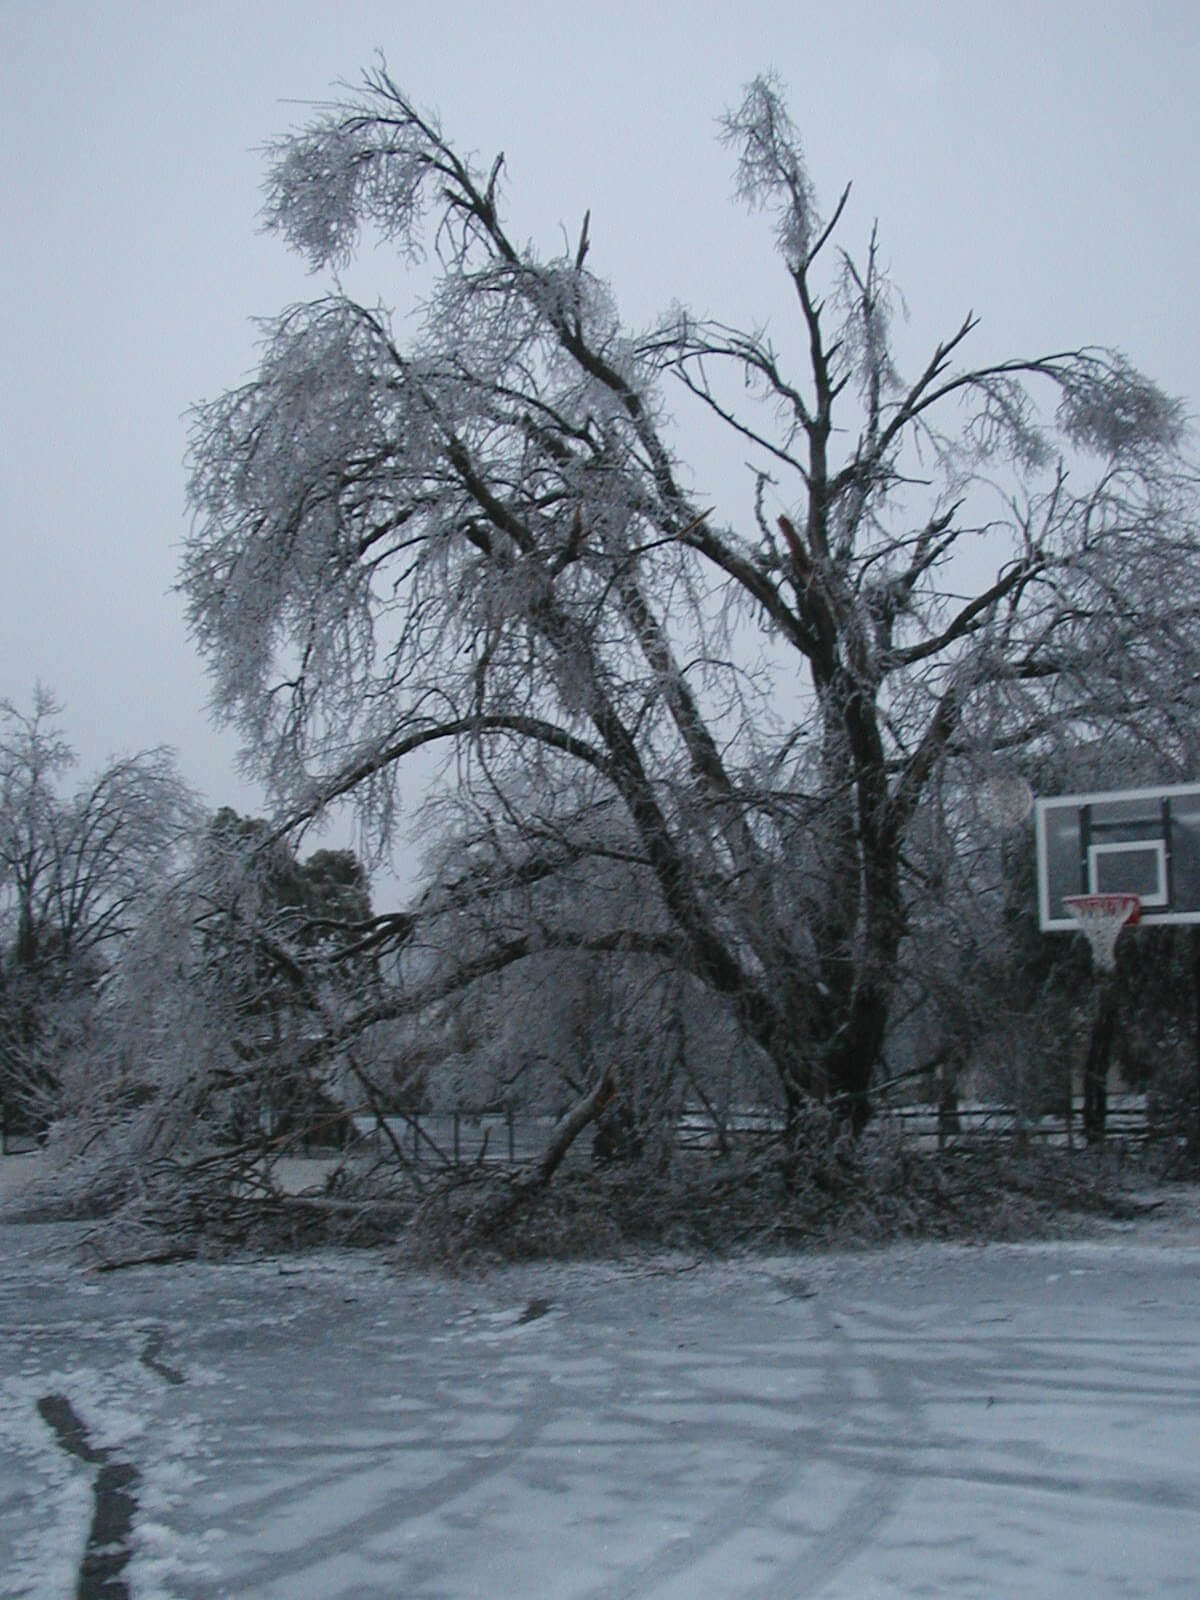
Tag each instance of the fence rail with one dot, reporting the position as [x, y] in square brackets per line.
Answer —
[1127, 1122]
[459, 1137]
[464, 1137]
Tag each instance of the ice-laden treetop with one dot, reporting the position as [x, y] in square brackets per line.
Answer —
[485, 541]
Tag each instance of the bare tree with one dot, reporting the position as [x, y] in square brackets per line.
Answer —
[486, 542]
[76, 873]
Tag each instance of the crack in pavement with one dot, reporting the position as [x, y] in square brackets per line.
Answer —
[150, 1359]
[107, 1552]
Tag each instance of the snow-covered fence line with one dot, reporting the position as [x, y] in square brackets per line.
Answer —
[698, 1130]
[971, 1123]
[465, 1137]
[975, 1123]
[460, 1137]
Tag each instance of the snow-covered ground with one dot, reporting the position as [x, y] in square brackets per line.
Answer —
[914, 1421]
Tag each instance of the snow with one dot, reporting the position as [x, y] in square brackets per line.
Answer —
[912, 1421]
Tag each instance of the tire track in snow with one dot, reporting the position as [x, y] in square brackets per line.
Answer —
[854, 1528]
[750, 1504]
[481, 1459]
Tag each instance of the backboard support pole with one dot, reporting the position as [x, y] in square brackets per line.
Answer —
[1101, 918]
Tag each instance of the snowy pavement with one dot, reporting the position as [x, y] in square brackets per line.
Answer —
[916, 1421]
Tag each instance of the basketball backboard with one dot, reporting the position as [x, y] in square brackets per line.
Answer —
[1123, 841]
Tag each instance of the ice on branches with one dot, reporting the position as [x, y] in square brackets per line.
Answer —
[1109, 407]
[485, 543]
[770, 167]
[349, 169]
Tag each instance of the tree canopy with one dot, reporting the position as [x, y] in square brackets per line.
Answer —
[717, 730]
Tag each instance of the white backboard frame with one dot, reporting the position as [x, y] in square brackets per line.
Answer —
[1155, 847]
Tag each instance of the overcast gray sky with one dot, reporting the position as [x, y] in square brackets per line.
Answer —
[1035, 160]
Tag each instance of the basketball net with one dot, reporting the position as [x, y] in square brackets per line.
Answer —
[1101, 918]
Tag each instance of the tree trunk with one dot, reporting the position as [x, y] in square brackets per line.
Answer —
[949, 1123]
[1095, 1067]
[859, 1019]
[1193, 1125]
[854, 1054]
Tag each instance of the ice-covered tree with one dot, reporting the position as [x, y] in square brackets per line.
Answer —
[77, 869]
[485, 540]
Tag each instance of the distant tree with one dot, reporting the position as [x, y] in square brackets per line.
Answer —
[278, 956]
[260, 887]
[77, 870]
[487, 542]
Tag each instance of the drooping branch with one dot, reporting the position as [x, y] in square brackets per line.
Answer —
[325, 792]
